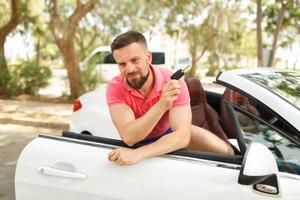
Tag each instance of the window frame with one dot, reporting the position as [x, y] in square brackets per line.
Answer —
[252, 116]
[242, 143]
[252, 98]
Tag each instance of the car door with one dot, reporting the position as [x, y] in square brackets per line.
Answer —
[254, 128]
[52, 167]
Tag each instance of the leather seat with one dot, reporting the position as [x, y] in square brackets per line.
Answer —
[237, 99]
[203, 115]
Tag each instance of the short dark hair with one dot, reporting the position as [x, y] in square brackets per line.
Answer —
[128, 38]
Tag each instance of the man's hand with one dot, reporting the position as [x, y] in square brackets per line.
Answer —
[169, 94]
[125, 156]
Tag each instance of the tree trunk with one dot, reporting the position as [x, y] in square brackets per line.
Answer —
[276, 34]
[195, 60]
[193, 51]
[4, 74]
[259, 33]
[71, 65]
[38, 51]
[65, 41]
[175, 39]
[2, 55]
[214, 64]
[4, 31]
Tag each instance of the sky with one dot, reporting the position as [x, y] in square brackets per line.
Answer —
[19, 47]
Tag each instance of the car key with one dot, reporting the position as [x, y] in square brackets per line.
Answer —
[179, 73]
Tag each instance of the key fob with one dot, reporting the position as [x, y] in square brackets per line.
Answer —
[177, 75]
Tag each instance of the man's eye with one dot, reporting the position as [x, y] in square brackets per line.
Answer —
[122, 65]
[135, 60]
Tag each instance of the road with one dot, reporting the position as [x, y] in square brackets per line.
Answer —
[13, 138]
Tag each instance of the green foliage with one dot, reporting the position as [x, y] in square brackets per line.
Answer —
[91, 77]
[4, 15]
[214, 27]
[27, 79]
[290, 24]
[4, 77]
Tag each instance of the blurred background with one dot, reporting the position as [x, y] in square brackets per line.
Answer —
[48, 47]
[52, 51]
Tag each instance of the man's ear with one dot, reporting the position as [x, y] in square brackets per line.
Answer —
[149, 57]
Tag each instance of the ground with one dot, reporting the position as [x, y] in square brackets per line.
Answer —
[13, 138]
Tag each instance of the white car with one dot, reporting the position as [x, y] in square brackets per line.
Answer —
[259, 113]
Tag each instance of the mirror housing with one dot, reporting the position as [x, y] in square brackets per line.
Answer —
[259, 169]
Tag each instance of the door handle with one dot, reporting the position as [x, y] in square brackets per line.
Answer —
[266, 188]
[228, 166]
[50, 171]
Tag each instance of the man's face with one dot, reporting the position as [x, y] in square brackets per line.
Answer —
[133, 61]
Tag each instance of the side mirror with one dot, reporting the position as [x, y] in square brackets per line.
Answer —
[259, 169]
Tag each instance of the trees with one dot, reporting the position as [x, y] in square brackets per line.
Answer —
[183, 21]
[108, 20]
[212, 27]
[284, 5]
[64, 34]
[258, 33]
[15, 18]
[281, 18]
[216, 31]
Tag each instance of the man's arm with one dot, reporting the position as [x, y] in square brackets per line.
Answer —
[134, 130]
[180, 120]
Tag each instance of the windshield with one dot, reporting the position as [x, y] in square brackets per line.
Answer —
[284, 84]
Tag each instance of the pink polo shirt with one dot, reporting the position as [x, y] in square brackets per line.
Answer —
[118, 92]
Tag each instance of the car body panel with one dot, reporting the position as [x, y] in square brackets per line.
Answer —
[94, 116]
[164, 177]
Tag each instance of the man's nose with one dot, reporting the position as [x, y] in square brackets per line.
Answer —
[130, 68]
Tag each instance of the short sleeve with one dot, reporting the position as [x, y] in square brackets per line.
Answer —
[114, 94]
[184, 96]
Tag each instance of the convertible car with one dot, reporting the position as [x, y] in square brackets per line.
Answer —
[258, 114]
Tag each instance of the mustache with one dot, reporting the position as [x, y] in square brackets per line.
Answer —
[131, 73]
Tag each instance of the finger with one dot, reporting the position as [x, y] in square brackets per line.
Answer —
[173, 87]
[169, 85]
[120, 161]
[173, 98]
[115, 156]
[111, 154]
[173, 81]
[172, 93]
[175, 91]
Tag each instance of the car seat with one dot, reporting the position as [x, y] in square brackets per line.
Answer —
[203, 115]
[239, 100]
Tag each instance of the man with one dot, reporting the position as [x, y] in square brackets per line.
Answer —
[148, 108]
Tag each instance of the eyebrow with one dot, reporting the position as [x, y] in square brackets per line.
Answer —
[120, 63]
[136, 57]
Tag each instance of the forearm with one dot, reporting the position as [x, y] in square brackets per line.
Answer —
[180, 121]
[168, 143]
[137, 130]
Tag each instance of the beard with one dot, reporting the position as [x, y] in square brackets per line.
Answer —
[138, 82]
